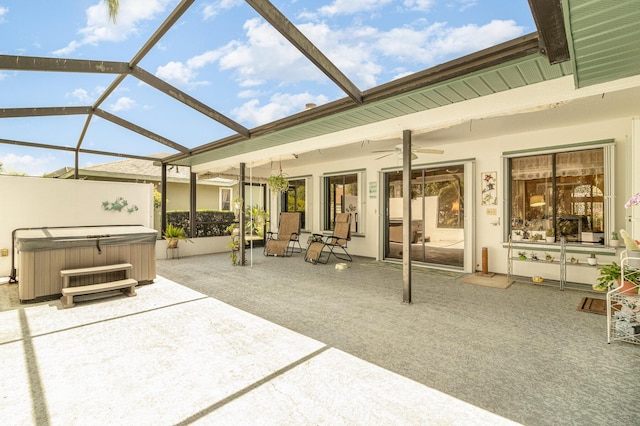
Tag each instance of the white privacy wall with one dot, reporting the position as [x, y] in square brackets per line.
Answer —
[30, 202]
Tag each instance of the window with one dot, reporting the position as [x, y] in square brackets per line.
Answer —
[563, 192]
[295, 199]
[225, 198]
[341, 195]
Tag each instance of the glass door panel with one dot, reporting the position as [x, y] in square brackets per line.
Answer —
[437, 216]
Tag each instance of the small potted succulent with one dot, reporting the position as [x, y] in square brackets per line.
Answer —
[522, 255]
[517, 235]
[535, 237]
[614, 241]
[550, 235]
[591, 260]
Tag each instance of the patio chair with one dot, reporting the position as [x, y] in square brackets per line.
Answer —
[283, 242]
[337, 241]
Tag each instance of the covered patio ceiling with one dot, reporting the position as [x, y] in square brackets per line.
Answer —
[593, 43]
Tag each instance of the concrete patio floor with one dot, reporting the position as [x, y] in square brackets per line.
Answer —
[287, 342]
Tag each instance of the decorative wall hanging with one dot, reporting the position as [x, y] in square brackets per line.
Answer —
[119, 205]
[489, 188]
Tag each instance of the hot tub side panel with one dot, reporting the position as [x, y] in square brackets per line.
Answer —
[39, 271]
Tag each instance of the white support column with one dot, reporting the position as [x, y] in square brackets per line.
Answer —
[633, 213]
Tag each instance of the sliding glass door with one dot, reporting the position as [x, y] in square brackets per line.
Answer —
[437, 216]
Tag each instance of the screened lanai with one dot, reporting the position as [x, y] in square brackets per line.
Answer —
[547, 73]
[210, 343]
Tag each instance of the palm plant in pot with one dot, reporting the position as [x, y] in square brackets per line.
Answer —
[173, 234]
[610, 276]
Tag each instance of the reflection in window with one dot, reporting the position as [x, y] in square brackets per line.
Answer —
[225, 198]
[295, 199]
[563, 192]
[437, 215]
[341, 196]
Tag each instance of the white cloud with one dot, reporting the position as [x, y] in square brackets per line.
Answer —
[429, 45]
[2, 76]
[246, 94]
[32, 166]
[358, 51]
[350, 49]
[361, 52]
[176, 72]
[466, 4]
[280, 105]
[3, 13]
[212, 9]
[264, 56]
[204, 59]
[99, 28]
[185, 74]
[421, 5]
[122, 104]
[470, 38]
[80, 95]
[348, 7]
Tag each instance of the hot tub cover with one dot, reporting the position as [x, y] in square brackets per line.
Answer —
[82, 236]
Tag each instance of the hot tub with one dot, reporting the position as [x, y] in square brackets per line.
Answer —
[44, 252]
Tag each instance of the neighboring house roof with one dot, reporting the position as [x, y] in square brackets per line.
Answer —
[137, 171]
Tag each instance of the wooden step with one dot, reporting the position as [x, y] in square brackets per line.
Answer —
[96, 270]
[127, 286]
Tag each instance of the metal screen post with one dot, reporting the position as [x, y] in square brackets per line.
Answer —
[406, 216]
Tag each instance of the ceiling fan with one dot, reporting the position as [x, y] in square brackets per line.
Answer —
[414, 150]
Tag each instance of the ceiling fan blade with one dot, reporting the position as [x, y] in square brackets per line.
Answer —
[383, 150]
[384, 156]
[428, 151]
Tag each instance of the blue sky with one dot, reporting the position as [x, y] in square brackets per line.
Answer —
[223, 54]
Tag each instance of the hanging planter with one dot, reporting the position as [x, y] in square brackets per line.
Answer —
[278, 183]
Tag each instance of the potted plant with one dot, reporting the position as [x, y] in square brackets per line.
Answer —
[278, 183]
[534, 256]
[550, 235]
[591, 260]
[517, 235]
[548, 257]
[610, 275]
[234, 243]
[174, 234]
[614, 241]
[522, 255]
[256, 217]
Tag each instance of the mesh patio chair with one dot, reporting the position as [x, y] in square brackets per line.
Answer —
[337, 241]
[283, 242]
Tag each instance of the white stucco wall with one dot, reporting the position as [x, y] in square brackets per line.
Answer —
[31, 202]
[487, 154]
